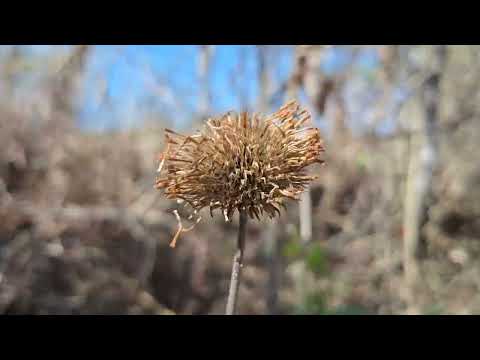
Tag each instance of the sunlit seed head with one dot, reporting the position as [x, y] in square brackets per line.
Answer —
[242, 162]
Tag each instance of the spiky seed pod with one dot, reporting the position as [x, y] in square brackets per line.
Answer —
[242, 162]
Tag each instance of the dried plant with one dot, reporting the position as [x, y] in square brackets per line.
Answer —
[243, 162]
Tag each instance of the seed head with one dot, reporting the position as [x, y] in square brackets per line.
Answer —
[242, 162]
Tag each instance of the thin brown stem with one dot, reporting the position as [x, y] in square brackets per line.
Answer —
[237, 265]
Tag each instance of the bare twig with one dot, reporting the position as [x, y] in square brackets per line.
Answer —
[237, 265]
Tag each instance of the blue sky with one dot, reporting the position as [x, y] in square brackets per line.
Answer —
[126, 74]
[119, 91]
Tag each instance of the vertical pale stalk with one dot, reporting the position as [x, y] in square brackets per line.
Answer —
[305, 204]
[306, 216]
[301, 54]
[237, 265]
[204, 64]
[65, 84]
[424, 155]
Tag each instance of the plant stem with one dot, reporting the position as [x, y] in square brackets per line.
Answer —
[237, 265]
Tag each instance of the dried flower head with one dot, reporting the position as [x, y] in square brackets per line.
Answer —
[241, 162]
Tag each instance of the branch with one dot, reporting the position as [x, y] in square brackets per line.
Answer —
[237, 266]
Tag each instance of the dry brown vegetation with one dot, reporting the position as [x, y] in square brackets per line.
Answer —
[83, 231]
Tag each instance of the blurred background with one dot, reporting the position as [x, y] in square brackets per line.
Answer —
[391, 226]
